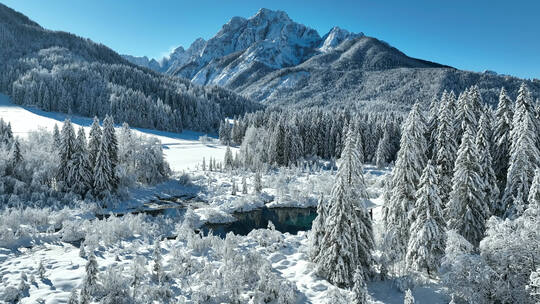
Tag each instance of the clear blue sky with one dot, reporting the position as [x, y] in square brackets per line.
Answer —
[476, 35]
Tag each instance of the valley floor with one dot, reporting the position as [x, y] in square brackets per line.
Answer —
[187, 259]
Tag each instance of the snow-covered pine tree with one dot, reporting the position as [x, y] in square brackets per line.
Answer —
[102, 171]
[15, 154]
[523, 158]
[483, 144]
[244, 185]
[383, 150]
[94, 142]
[111, 143]
[67, 149]
[257, 183]
[446, 148]
[90, 282]
[73, 297]
[317, 229]
[233, 187]
[348, 240]
[157, 268]
[41, 270]
[428, 228]
[228, 160]
[80, 171]
[409, 299]
[203, 164]
[410, 161]
[534, 193]
[523, 107]
[360, 287]
[501, 137]
[467, 210]
[359, 146]
[432, 121]
[57, 141]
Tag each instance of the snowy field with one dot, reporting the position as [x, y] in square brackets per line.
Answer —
[131, 239]
[183, 151]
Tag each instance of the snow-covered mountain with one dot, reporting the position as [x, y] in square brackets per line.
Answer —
[272, 59]
[246, 49]
[58, 71]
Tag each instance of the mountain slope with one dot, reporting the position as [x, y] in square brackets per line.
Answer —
[272, 59]
[58, 71]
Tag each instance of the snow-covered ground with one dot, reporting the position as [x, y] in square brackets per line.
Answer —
[183, 150]
[64, 268]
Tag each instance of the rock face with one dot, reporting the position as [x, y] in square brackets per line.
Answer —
[272, 59]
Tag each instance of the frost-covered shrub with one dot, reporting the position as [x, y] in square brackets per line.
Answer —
[115, 287]
[10, 294]
[269, 238]
[184, 179]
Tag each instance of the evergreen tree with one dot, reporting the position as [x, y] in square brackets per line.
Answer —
[103, 171]
[409, 299]
[16, 155]
[244, 185]
[317, 228]
[487, 174]
[431, 127]
[67, 150]
[406, 175]
[90, 283]
[501, 137]
[257, 184]
[57, 141]
[80, 171]
[73, 297]
[446, 148]
[521, 170]
[94, 142]
[348, 240]
[111, 144]
[383, 150]
[359, 288]
[228, 161]
[158, 267]
[233, 190]
[41, 270]
[534, 193]
[428, 229]
[203, 164]
[467, 210]
[523, 108]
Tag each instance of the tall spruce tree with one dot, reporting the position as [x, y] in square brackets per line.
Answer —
[90, 283]
[228, 160]
[102, 182]
[383, 150]
[94, 142]
[80, 171]
[410, 161]
[348, 240]
[446, 148]
[501, 137]
[523, 158]
[467, 210]
[534, 193]
[111, 144]
[483, 144]
[67, 150]
[317, 228]
[428, 229]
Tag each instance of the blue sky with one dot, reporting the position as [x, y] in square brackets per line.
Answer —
[476, 35]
